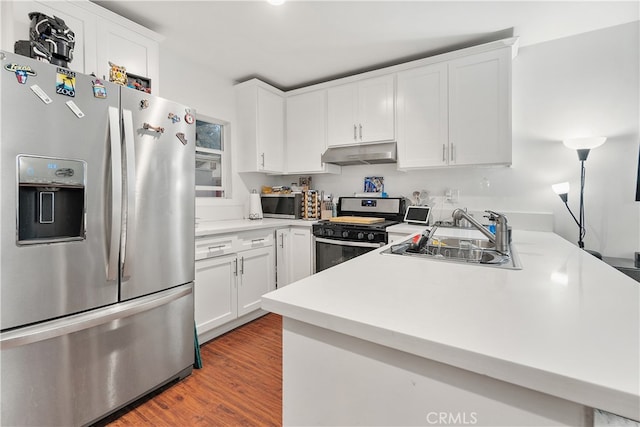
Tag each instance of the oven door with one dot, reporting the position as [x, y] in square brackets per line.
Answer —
[331, 252]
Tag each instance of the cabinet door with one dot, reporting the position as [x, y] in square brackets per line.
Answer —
[215, 292]
[376, 109]
[283, 257]
[306, 132]
[256, 278]
[342, 107]
[423, 127]
[270, 131]
[301, 254]
[480, 108]
[129, 48]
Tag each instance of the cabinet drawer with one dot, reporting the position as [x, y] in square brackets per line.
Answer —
[212, 246]
[255, 239]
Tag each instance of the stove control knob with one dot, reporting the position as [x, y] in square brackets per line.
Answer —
[370, 236]
[329, 232]
[360, 236]
[345, 234]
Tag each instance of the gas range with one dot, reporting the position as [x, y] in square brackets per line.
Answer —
[360, 227]
[362, 219]
[375, 233]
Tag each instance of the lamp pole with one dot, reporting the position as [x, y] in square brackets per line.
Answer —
[582, 146]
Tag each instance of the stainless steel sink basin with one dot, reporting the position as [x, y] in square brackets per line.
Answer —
[458, 242]
[459, 250]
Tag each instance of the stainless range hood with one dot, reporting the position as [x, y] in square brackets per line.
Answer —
[364, 154]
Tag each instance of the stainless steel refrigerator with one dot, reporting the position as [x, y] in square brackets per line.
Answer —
[97, 252]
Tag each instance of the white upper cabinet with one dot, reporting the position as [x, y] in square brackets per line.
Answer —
[101, 36]
[260, 130]
[456, 112]
[361, 112]
[480, 108]
[306, 133]
[130, 47]
[423, 120]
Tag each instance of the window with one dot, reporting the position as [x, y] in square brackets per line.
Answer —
[212, 163]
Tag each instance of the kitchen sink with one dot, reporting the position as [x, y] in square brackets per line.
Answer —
[459, 250]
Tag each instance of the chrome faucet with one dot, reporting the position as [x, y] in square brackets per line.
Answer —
[501, 236]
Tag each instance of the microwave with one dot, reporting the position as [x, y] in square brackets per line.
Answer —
[287, 206]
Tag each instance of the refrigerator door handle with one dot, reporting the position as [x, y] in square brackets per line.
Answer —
[130, 218]
[116, 193]
[91, 319]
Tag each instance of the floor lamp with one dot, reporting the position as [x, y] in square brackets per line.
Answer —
[583, 146]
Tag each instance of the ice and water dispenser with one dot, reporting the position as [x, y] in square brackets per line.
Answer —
[51, 200]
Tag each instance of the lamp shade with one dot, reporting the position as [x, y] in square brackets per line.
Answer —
[561, 188]
[584, 143]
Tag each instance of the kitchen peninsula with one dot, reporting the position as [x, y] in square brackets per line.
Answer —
[392, 340]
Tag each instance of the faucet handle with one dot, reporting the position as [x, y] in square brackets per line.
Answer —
[495, 216]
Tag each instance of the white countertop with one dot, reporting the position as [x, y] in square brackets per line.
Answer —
[567, 324]
[206, 228]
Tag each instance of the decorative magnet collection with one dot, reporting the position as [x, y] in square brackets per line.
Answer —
[65, 85]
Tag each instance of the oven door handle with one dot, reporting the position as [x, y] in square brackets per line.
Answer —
[347, 243]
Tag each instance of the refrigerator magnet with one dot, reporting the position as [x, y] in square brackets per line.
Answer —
[188, 117]
[182, 138]
[72, 105]
[22, 72]
[41, 94]
[99, 90]
[173, 117]
[65, 82]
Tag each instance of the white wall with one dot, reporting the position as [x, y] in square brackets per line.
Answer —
[189, 83]
[580, 85]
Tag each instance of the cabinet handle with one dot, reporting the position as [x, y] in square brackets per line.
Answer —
[360, 132]
[282, 240]
[444, 159]
[452, 156]
[235, 267]
[355, 138]
[256, 241]
[215, 247]
[262, 155]
[242, 265]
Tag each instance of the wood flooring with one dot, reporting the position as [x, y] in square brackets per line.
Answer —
[240, 384]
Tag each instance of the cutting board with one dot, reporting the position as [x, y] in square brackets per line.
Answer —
[356, 219]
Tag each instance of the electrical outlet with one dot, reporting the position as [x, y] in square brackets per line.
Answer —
[452, 195]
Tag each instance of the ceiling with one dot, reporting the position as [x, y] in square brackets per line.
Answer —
[303, 42]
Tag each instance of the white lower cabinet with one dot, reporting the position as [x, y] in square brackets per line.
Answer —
[216, 296]
[256, 277]
[294, 255]
[228, 288]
